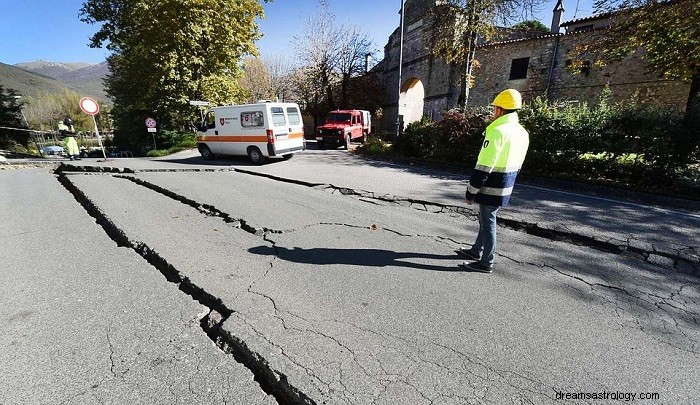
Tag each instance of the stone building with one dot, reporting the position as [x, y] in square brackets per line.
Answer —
[536, 66]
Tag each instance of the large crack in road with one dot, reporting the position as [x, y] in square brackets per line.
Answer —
[271, 381]
[682, 259]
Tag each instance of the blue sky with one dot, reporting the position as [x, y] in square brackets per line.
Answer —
[51, 30]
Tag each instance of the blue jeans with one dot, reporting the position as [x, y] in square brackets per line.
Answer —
[486, 239]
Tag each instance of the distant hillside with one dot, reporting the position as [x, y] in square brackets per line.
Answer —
[27, 83]
[87, 80]
[84, 78]
[52, 69]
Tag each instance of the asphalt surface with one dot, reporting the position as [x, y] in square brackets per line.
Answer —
[334, 280]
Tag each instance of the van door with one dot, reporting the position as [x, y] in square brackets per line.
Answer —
[209, 134]
[280, 129]
[296, 128]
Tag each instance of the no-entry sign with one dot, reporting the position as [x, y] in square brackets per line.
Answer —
[89, 106]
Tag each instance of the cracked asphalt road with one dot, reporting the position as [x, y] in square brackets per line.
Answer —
[339, 298]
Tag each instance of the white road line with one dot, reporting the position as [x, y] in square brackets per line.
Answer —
[682, 213]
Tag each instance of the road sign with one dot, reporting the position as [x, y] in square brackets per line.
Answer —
[150, 123]
[151, 130]
[199, 103]
[89, 106]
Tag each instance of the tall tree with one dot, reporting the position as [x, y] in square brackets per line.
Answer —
[280, 71]
[167, 52]
[256, 80]
[354, 46]
[332, 54]
[457, 25]
[317, 46]
[10, 108]
[667, 31]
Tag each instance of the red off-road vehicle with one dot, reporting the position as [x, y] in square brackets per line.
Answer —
[342, 127]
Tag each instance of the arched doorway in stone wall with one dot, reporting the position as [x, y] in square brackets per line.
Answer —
[411, 100]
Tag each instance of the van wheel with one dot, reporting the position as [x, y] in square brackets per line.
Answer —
[288, 156]
[347, 142]
[255, 155]
[205, 152]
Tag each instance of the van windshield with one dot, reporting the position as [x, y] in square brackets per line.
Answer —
[338, 117]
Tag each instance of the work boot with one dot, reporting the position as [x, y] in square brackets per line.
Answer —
[468, 253]
[477, 266]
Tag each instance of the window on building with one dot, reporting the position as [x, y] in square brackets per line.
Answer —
[518, 68]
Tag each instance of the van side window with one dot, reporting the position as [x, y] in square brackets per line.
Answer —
[293, 115]
[278, 118]
[252, 119]
[210, 121]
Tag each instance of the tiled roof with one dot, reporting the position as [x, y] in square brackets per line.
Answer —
[589, 18]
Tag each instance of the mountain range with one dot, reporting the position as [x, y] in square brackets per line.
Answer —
[34, 78]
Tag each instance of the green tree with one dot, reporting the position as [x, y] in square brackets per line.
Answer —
[457, 25]
[168, 52]
[530, 25]
[10, 108]
[667, 31]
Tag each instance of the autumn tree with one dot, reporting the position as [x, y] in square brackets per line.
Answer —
[256, 80]
[168, 52]
[266, 78]
[458, 25]
[666, 30]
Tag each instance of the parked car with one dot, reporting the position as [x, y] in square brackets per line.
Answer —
[54, 151]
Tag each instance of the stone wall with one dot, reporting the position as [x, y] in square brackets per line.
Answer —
[628, 79]
[546, 73]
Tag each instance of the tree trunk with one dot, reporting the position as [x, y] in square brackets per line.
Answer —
[694, 91]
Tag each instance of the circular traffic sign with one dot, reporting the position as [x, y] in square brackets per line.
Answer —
[150, 123]
[89, 106]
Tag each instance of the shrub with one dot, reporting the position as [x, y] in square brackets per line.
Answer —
[640, 145]
[374, 146]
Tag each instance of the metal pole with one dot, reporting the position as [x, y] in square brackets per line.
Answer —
[99, 138]
[398, 96]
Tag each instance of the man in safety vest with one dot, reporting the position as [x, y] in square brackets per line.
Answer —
[66, 129]
[491, 183]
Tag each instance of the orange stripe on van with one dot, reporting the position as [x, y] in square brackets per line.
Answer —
[243, 138]
[232, 138]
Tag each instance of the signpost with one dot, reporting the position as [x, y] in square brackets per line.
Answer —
[90, 107]
[151, 125]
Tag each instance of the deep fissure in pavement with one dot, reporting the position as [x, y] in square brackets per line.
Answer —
[678, 262]
[515, 225]
[272, 382]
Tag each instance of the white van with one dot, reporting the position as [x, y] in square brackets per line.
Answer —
[260, 131]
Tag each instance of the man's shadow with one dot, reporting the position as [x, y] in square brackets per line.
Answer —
[355, 257]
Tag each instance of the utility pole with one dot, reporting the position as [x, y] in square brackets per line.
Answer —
[398, 95]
